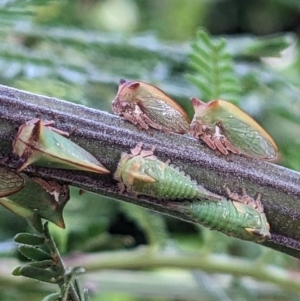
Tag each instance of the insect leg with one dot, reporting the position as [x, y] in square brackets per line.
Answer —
[36, 120]
[219, 145]
[236, 197]
[258, 204]
[217, 139]
[121, 187]
[201, 131]
[208, 140]
[245, 199]
[147, 153]
[137, 150]
[148, 121]
[139, 117]
[60, 132]
[135, 119]
[229, 146]
[222, 143]
[48, 124]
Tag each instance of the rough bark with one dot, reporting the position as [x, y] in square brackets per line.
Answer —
[107, 136]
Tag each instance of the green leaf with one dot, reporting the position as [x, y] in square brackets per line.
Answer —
[45, 275]
[33, 253]
[214, 74]
[45, 264]
[29, 239]
[16, 271]
[268, 47]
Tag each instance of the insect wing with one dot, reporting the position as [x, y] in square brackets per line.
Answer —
[10, 182]
[247, 139]
[159, 110]
[170, 116]
[242, 131]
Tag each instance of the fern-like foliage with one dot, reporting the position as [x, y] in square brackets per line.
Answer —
[46, 265]
[214, 72]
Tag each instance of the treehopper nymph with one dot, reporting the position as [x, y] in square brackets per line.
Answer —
[225, 127]
[241, 216]
[35, 143]
[37, 199]
[147, 106]
[10, 182]
[142, 173]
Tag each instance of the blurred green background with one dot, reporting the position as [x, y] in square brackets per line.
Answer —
[78, 50]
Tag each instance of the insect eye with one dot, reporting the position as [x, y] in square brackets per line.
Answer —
[125, 105]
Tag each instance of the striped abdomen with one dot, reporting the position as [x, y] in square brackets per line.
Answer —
[168, 182]
[232, 218]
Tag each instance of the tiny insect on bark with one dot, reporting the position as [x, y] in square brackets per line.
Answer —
[241, 216]
[142, 173]
[225, 127]
[147, 106]
[10, 182]
[38, 198]
[35, 143]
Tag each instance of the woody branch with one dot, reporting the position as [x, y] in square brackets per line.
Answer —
[107, 136]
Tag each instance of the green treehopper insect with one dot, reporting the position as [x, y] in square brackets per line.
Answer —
[147, 106]
[223, 126]
[36, 199]
[35, 143]
[241, 216]
[142, 173]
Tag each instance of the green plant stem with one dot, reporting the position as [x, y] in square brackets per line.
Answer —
[69, 289]
[142, 259]
[107, 136]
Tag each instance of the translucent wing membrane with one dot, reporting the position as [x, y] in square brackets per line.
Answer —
[164, 114]
[10, 182]
[147, 106]
[225, 127]
[247, 139]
